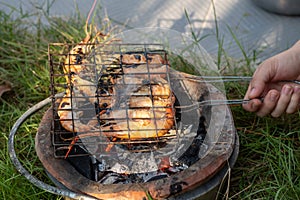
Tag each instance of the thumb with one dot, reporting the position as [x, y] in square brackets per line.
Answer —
[264, 74]
[256, 88]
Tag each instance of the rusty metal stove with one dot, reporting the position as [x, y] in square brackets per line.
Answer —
[163, 162]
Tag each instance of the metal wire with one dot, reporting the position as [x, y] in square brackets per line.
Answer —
[18, 164]
[111, 69]
[216, 79]
[54, 190]
[104, 70]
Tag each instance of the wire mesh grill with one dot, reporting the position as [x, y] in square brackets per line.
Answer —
[112, 94]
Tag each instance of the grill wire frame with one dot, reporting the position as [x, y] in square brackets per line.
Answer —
[62, 139]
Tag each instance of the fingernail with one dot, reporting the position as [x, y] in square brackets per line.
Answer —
[274, 96]
[252, 91]
[253, 106]
[297, 89]
[287, 90]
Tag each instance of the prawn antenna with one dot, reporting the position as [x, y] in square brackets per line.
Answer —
[88, 19]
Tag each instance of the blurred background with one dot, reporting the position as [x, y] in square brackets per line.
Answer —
[243, 28]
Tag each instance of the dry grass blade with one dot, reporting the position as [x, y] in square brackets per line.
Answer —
[5, 87]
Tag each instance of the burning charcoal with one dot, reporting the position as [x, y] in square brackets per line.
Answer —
[177, 167]
[120, 167]
[121, 159]
[173, 170]
[192, 154]
[102, 166]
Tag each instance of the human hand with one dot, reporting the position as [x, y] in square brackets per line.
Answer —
[268, 83]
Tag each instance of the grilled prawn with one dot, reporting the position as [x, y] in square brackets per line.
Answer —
[150, 111]
[78, 88]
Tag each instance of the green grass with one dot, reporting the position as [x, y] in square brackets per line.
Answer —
[24, 63]
[268, 163]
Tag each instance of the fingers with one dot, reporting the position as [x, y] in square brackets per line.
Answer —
[283, 102]
[266, 83]
[253, 106]
[276, 102]
[263, 75]
[252, 93]
[269, 103]
[294, 102]
[258, 84]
